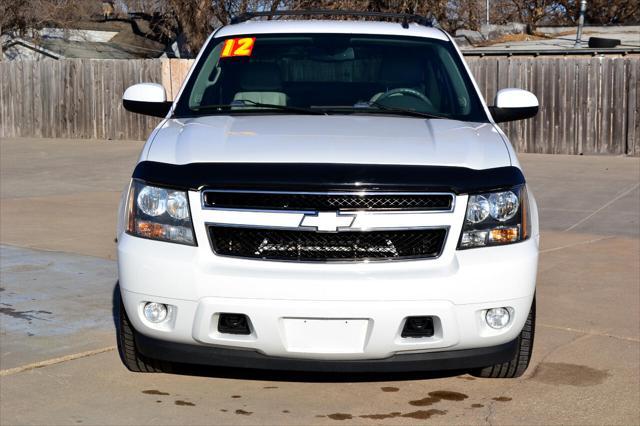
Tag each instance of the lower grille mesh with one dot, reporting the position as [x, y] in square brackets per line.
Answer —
[318, 246]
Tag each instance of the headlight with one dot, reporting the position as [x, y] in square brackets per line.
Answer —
[152, 201]
[159, 214]
[503, 205]
[478, 208]
[496, 218]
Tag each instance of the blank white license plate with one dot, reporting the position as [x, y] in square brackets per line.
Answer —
[313, 335]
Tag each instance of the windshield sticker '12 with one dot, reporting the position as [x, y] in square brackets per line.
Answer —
[238, 47]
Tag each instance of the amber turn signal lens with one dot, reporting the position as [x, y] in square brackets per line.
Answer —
[150, 230]
[504, 235]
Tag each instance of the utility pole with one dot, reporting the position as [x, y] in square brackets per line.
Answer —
[487, 12]
[583, 9]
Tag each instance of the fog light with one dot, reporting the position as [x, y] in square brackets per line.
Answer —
[497, 317]
[155, 312]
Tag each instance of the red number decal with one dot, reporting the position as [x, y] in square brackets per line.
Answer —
[237, 47]
[227, 49]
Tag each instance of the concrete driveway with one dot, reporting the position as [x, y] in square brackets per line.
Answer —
[58, 364]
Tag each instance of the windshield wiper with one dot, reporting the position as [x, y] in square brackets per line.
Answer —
[403, 111]
[246, 102]
[375, 106]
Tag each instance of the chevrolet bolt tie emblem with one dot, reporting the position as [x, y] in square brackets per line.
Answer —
[327, 221]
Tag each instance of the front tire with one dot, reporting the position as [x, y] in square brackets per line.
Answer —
[518, 365]
[129, 354]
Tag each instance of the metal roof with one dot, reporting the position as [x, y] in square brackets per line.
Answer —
[331, 27]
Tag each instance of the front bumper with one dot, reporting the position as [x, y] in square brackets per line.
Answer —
[373, 299]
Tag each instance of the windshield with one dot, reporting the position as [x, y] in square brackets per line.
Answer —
[330, 74]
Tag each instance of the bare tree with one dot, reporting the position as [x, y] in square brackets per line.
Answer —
[603, 12]
[536, 12]
[21, 16]
[194, 19]
[438, 9]
[465, 14]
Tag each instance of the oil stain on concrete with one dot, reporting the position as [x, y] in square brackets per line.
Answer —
[340, 416]
[560, 373]
[419, 415]
[425, 414]
[438, 396]
[154, 392]
[502, 398]
[381, 416]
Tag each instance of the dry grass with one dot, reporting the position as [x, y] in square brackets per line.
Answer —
[513, 38]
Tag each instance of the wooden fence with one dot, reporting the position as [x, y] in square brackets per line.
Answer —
[588, 105]
[73, 98]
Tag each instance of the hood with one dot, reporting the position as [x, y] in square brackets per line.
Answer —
[346, 139]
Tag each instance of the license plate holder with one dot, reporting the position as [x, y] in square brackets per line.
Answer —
[321, 335]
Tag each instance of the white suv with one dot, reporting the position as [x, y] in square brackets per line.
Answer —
[328, 196]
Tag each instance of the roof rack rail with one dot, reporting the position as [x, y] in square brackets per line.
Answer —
[404, 17]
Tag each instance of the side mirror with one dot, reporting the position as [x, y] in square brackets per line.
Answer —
[146, 98]
[514, 104]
